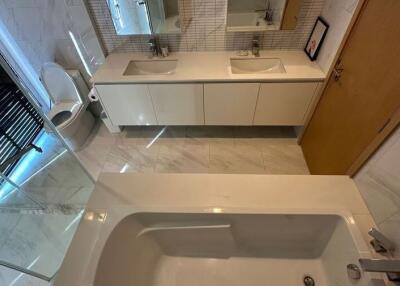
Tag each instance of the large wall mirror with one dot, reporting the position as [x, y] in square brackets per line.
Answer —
[136, 17]
[262, 15]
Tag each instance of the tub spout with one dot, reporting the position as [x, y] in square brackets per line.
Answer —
[390, 267]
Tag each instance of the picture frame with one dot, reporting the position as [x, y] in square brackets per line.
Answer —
[316, 38]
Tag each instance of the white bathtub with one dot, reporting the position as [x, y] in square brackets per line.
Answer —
[173, 249]
[250, 21]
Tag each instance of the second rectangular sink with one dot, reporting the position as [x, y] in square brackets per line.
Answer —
[256, 66]
[150, 67]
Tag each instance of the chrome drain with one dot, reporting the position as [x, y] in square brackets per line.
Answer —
[308, 281]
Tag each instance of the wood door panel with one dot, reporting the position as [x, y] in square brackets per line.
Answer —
[353, 110]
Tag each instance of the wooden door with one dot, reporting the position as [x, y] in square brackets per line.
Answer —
[357, 107]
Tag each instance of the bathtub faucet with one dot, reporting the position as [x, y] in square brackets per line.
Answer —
[380, 242]
[390, 267]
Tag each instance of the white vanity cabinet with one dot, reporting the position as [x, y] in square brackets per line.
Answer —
[178, 104]
[284, 103]
[230, 103]
[127, 104]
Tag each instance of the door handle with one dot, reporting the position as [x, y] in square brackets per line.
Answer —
[337, 70]
[337, 73]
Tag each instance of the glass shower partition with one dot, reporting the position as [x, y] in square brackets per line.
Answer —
[43, 188]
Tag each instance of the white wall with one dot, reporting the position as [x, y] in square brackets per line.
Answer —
[338, 14]
[379, 184]
[40, 28]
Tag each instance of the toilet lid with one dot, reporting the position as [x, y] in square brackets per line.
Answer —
[59, 84]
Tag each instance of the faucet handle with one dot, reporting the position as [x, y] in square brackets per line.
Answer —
[380, 242]
[152, 41]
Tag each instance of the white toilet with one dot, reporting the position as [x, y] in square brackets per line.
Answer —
[69, 99]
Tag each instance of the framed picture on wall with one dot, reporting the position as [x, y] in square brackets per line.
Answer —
[316, 39]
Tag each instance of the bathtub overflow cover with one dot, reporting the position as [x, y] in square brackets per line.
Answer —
[308, 281]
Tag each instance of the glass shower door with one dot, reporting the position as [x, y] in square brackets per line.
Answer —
[43, 191]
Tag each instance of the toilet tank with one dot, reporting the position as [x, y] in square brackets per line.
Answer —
[80, 84]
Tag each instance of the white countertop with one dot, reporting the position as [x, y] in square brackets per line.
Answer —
[209, 67]
[119, 195]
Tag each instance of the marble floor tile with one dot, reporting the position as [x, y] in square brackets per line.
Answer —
[183, 158]
[245, 159]
[380, 200]
[53, 195]
[39, 241]
[8, 222]
[283, 156]
[100, 136]
[94, 157]
[138, 158]
[200, 149]
[9, 277]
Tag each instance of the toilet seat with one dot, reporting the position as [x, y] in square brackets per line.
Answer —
[59, 84]
[69, 104]
[73, 108]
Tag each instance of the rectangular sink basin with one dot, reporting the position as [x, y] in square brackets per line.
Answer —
[257, 66]
[150, 67]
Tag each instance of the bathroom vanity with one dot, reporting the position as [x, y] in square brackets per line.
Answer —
[208, 88]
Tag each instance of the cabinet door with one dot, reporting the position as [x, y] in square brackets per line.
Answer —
[230, 103]
[127, 104]
[178, 104]
[284, 103]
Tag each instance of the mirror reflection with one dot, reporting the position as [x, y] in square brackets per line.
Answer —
[130, 17]
[164, 15]
[136, 17]
[262, 15]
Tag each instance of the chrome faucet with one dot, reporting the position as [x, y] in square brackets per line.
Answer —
[380, 242]
[154, 47]
[269, 13]
[389, 266]
[255, 47]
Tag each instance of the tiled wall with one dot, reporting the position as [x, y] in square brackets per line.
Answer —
[338, 14]
[40, 28]
[379, 184]
[204, 22]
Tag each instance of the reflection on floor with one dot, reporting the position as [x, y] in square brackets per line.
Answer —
[33, 162]
[255, 150]
[36, 237]
[10, 277]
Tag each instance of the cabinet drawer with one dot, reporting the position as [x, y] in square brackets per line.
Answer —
[230, 103]
[128, 104]
[284, 103]
[178, 104]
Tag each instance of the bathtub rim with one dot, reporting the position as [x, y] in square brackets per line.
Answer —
[87, 274]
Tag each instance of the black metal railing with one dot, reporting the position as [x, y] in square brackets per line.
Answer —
[20, 124]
